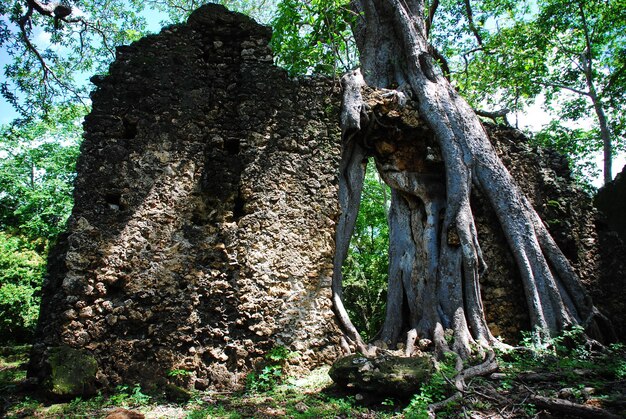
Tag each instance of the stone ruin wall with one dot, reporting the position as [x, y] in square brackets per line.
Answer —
[202, 234]
[205, 204]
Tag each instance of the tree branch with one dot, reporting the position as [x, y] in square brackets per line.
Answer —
[26, 19]
[588, 59]
[502, 113]
[470, 19]
[569, 408]
[562, 86]
[60, 13]
[431, 15]
[442, 61]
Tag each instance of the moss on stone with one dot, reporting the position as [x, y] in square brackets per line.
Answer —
[176, 394]
[73, 372]
[389, 375]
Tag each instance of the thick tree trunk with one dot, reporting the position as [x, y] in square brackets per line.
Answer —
[435, 257]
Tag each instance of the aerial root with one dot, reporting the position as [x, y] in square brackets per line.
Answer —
[488, 366]
[411, 337]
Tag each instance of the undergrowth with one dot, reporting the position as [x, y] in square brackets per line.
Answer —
[573, 369]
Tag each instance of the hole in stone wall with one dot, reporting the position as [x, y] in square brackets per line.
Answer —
[238, 208]
[115, 288]
[231, 145]
[130, 129]
[114, 200]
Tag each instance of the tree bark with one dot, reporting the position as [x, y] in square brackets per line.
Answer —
[435, 258]
[605, 132]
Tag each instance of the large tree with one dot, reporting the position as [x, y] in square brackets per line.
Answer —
[435, 256]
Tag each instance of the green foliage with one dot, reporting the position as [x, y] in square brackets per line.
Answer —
[212, 412]
[21, 270]
[11, 358]
[37, 173]
[365, 271]
[178, 11]
[271, 373]
[566, 353]
[265, 380]
[36, 182]
[47, 63]
[178, 373]
[577, 144]
[571, 54]
[436, 389]
[129, 396]
[617, 360]
[314, 36]
[280, 354]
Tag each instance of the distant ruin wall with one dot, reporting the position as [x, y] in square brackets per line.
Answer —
[595, 253]
[205, 205]
[611, 200]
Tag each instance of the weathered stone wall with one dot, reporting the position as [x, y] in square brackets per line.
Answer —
[205, 203]
[202, 233]
[571, 218]
[611, 200]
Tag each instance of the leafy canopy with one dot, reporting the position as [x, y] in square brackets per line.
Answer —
[36, 174]
[48, 61]
[572, 55]
[314, 36]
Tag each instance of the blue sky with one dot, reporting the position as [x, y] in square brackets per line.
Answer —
[7, 113]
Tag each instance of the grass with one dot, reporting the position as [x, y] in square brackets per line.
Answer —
[12, 366]
[584, 377]
[313, 396]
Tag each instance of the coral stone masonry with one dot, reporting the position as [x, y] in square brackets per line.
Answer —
[202, 234]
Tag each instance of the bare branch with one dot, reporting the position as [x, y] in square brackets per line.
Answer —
[562, 86]
[60, 13]
[26, 19]
[431, 15]
[470, 19]
[493, 115]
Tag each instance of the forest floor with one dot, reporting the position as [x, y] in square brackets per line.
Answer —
[528, 385]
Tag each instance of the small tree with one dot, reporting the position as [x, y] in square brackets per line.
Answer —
[36, 182]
